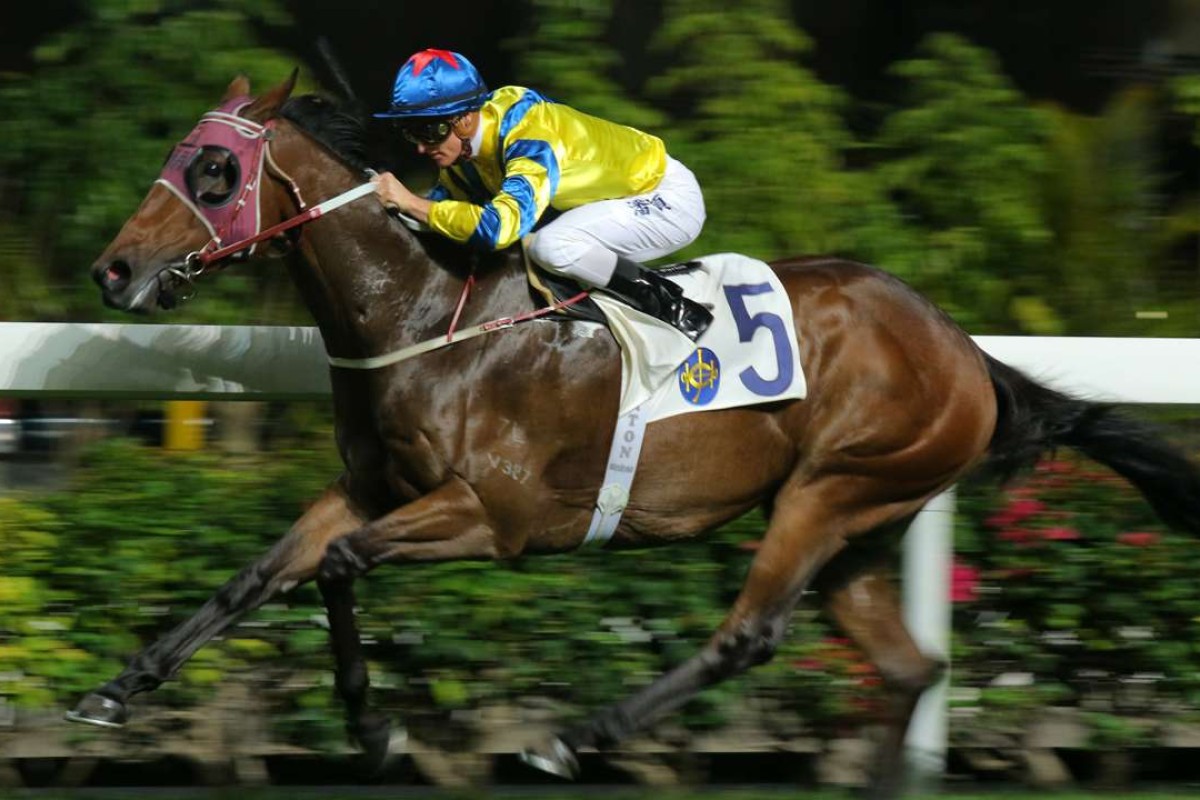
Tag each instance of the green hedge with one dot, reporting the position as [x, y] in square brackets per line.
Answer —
[1069, 585]
[1084, 600]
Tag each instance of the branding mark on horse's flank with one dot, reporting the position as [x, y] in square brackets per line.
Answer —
[513, 431]
[510, 468]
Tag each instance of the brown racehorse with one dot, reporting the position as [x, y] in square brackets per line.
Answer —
[901, 405]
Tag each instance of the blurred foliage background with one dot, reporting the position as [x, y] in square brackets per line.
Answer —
[1019, 211]
[1063, 208]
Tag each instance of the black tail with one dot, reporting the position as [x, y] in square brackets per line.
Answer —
[1033, 420]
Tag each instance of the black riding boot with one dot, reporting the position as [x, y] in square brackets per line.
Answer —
[663, 299]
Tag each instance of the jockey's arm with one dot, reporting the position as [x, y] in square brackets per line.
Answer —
[506, 217]
[531, 175]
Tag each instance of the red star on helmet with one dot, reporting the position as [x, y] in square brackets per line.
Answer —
[422, 59]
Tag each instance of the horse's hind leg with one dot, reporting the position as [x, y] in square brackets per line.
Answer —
[860, 594]
[292, 560]
[805, 531]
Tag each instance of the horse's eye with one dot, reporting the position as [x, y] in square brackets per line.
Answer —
[210, 164]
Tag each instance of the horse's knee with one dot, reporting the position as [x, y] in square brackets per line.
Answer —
[341, 562]
[237, 593]
[747, 645]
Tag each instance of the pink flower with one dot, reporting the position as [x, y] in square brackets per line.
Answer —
[1016, 511]
[1016, 535]
[1025, 508]
[1055, 467]
[809, 664]
[964, 583]
[1138, 538]
[1061, 534]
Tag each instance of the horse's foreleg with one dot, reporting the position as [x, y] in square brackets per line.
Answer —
[291, 561]
[448, 524]
[372, 731]
[444, 525]
[801, 537]
[860, 594]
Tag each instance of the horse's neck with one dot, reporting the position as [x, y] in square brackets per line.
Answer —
[372, 287]
[369, 283]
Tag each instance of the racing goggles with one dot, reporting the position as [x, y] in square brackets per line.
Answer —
[427, 131]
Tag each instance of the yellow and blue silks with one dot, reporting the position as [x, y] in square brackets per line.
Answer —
[536, 153]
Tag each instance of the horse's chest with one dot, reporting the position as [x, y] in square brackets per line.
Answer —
[412, 461]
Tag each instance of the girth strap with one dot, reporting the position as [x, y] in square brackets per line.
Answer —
[618, 475]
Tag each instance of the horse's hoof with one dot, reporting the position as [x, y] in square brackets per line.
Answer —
[381, 746]
[96, 709]
[554, 757]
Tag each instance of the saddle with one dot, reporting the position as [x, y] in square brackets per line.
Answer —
[548, 289]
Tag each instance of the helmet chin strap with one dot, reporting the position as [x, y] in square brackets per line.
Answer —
[463, 131]
[467, 151]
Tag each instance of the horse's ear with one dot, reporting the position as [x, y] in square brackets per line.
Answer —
[238, 87]
[265, 107]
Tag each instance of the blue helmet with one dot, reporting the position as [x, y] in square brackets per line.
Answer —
[435, 83]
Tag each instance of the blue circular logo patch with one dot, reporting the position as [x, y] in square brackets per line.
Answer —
[700, 377]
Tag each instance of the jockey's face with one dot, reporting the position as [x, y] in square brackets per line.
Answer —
[443, 154]
[436, 138]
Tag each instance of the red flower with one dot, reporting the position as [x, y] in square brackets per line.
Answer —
[1025, 508]
[964, 583]
[1061, 534]
[1016, 535]
[1138, 538]
[1016, 511]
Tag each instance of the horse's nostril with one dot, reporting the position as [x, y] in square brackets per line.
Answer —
[115, 276]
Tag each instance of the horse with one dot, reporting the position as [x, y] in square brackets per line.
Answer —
[901, 405]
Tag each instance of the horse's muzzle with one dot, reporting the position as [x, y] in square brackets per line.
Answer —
[115, 282]
[113, 277]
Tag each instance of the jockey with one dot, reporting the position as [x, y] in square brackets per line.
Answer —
[506, 156]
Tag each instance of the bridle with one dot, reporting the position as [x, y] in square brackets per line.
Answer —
[234, 221]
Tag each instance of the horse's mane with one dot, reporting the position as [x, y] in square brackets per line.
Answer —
[342, 132]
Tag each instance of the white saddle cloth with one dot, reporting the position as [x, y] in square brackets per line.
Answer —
[749, 355]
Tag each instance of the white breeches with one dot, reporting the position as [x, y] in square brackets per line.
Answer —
[584, 242]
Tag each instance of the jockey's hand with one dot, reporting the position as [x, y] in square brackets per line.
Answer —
[395, 196]
[390, 191]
